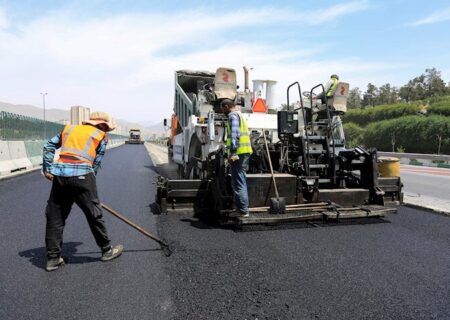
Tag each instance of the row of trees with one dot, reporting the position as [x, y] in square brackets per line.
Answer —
[411, 134]
[402, 127]
[428, 85]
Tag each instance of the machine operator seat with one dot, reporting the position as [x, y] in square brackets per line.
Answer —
[338, 101]
[225, 85]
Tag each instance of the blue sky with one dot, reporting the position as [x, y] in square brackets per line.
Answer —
[120, 56]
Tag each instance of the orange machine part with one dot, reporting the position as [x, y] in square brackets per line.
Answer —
[260, 106]
[173, 128]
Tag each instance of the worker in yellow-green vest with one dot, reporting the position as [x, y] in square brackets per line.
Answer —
[331, 85]
[239, 150]
[330, 88]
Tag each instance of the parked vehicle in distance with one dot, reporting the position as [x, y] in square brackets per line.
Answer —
[135, 137]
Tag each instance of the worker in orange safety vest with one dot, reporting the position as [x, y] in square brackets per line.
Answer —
[73, 181]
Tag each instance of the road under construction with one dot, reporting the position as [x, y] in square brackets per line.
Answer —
[395, 267]
[339, 245]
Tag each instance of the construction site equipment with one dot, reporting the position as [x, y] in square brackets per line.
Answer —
[389, 167]
[164, 246]
[318, 177]
[135, 137]
[277, 205]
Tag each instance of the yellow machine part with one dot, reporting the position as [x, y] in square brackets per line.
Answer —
[389, 167]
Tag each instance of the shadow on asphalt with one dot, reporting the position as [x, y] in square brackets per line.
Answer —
[38, 256]
[127, 251]
[202, 224]
[154, 208]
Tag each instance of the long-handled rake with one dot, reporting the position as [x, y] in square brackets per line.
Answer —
[164, 246]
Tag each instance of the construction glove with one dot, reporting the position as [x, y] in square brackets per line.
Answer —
[233, 158]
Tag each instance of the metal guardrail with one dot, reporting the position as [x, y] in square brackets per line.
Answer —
[19, 127]
[16, 127]
[442, 157]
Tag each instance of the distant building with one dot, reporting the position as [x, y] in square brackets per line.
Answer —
[78, 114]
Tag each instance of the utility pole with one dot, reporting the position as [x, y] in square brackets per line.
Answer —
[45, 124]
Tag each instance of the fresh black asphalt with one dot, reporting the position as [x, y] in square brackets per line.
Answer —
[134, 286]
[397, 269]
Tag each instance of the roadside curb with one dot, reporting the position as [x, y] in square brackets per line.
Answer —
[427, 208]
[19, 173]
[157, 160]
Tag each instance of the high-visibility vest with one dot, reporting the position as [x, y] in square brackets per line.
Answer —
[331, 90]
[245, 145]
[79, 144]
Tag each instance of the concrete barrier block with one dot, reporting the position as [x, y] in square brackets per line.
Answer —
[4, 151]
[18, 155]
[34, 151]
[35, 161]
[6, 165]
[17, 149]
[22, 163]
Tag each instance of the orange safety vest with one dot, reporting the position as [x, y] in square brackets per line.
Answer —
[79, 144]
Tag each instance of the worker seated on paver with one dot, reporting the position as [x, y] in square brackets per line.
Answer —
[325, 99]
[330, 89]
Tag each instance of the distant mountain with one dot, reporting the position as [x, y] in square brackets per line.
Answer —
[147, 124]
[157, 127]
[63, 116]
[54, 115]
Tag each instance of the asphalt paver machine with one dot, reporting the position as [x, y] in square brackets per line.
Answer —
[319, 178]
[135, 137]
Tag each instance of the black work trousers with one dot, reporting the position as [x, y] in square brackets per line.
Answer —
[81, 190]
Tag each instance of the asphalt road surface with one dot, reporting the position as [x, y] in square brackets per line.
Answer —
[135, 286]
[427, 187]
[395, 269]
[426, 181]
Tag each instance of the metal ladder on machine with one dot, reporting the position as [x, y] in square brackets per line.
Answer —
[314, 136]
[322, 129]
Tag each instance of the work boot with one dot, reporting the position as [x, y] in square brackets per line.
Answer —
[112, 253]
[53, 264]
[238, 213]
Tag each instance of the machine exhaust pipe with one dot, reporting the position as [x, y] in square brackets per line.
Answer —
[246, 70]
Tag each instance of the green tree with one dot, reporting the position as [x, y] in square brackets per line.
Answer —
[435, 84]
[354, 98]
[353, 134]
[413, 133]
[405, 93]
[419, 87]
[385, 93]
[370, 97]
[438, 132]
[394, 95]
